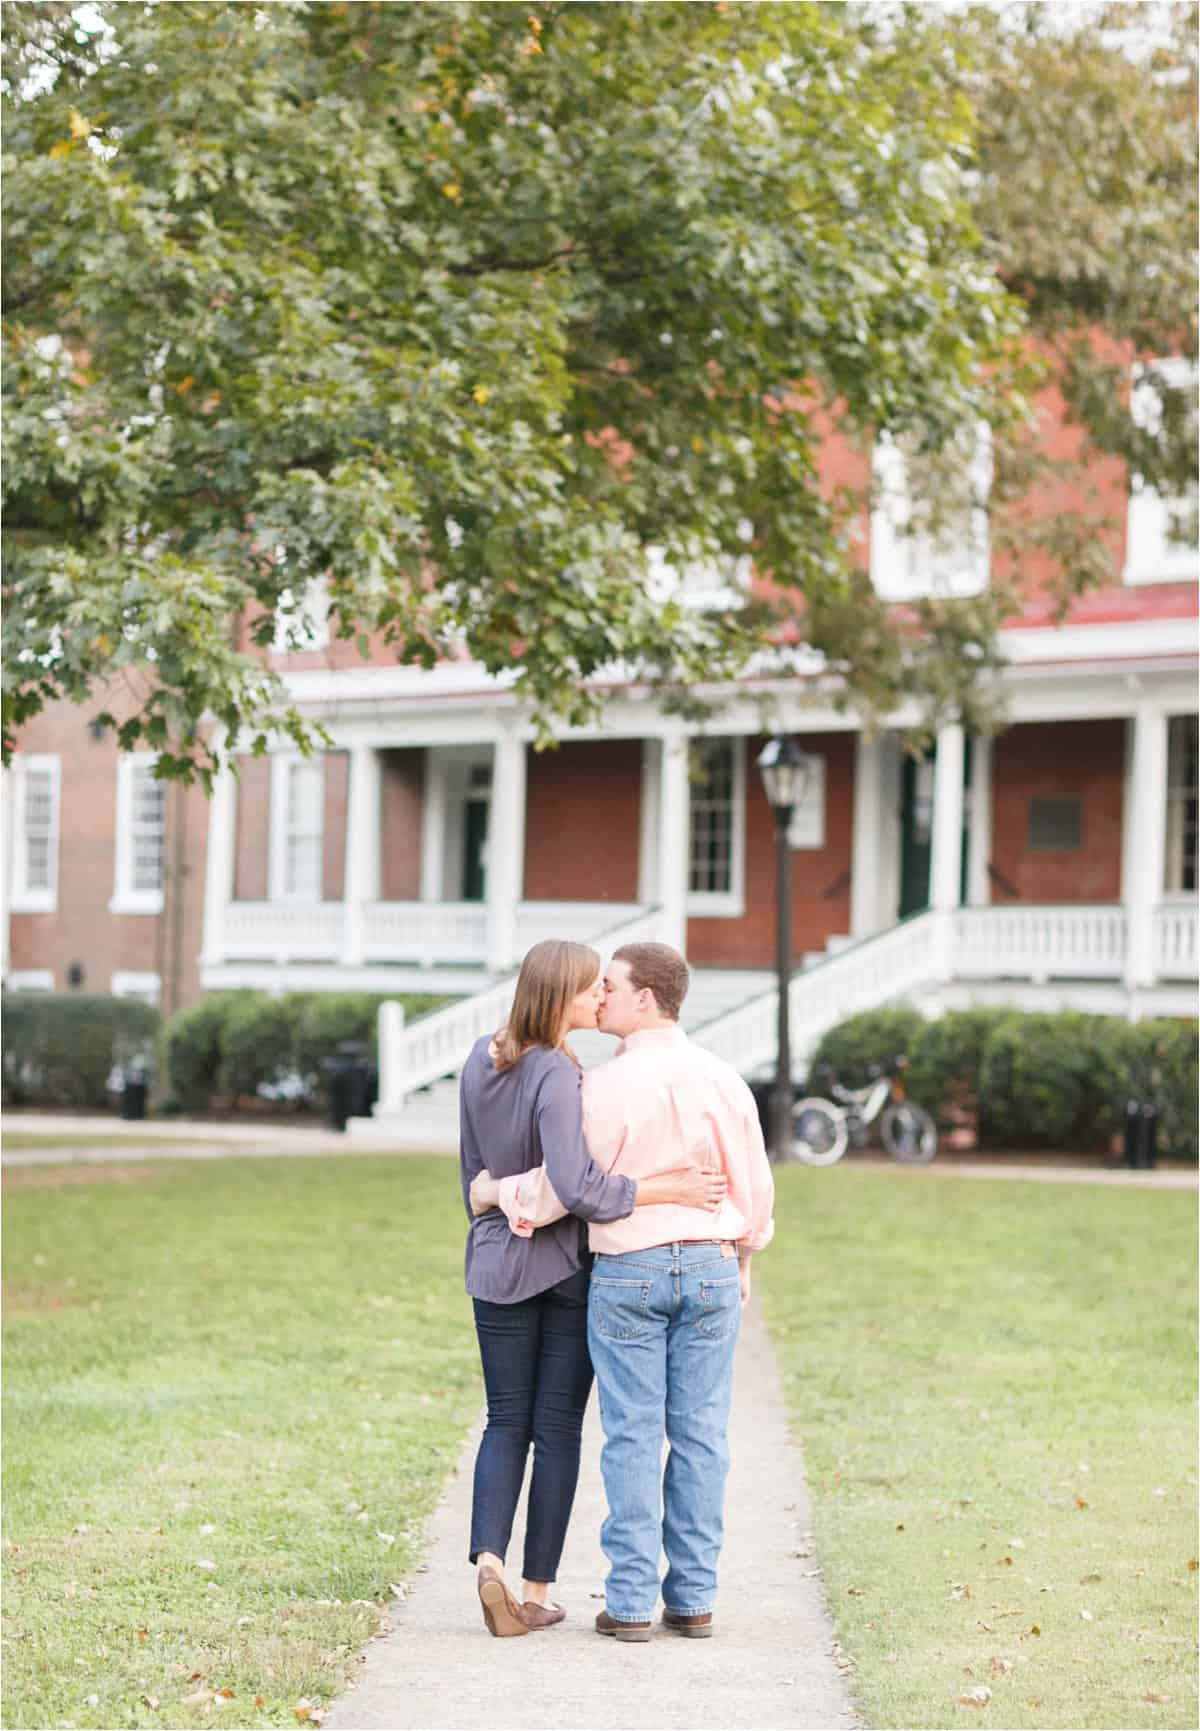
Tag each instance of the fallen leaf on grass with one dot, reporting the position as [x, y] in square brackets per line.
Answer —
[143, 1634]
[1193, 1565]
[1153, 1695]
[959, 1590]
[308, 1712]
[1081, 1502]
[198, 1698]
[979, 1696]
[1090, 1580]
[150, 1701]
[1086, 1615]
[1001, 1667]
[856, 1592]
[259, 1701]
[205, 1563]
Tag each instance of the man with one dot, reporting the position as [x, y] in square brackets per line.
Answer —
[666, 1293]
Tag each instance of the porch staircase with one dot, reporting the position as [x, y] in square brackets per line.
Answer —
[1011, 953]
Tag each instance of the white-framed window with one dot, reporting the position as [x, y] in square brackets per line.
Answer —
[908, 562]
[717, 828]
[36, 794]
[807, 828]
[302, 619]
[297, 827]
[1154, 553]
[30, 980]
[141, 829]
[127, 984]
[1182, 793]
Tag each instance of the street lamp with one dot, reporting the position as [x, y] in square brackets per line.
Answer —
[784, 770]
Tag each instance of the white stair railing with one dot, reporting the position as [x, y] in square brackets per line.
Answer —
[911, 956]
[437, 1045]
[1175, 954]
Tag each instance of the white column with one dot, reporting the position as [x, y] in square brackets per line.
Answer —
[674, 831]
[979, 839]
[945, 870]
[866, 855]
[391, 1058]
[433, 827]
[648, 825]
[1144, 849]
[7, 784]
[505, 852]
[218, 870]
[360, 883]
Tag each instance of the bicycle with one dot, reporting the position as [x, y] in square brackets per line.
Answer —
[825, 1128]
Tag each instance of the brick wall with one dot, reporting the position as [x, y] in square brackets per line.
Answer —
[1084, 758]
[82, 930]
[582, 822]
[820, 876]
[252, 829]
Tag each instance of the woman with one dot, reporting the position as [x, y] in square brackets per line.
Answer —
[520, 1108]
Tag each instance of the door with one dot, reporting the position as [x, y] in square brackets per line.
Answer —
[916, 834]
[475, 829]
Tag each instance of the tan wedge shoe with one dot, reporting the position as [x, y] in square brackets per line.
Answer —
[501, 1612]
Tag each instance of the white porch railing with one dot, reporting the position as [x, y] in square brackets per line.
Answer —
[282, 931]
[1084, 942]
[860, 977]
[580, 921]
[1175, 951]
[411, 1058]
[425, 932]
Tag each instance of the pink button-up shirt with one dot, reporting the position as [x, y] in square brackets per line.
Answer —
[662, 1102]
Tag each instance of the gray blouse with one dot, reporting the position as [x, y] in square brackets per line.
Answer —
[511, 1121]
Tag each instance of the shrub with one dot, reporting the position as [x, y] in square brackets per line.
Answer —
[60, 1048]
[258, 1042]
[1050, 1081]
[192, 1048]
[944, 1071]
[1157, 1061]
[236, 1042]
[874, 1037]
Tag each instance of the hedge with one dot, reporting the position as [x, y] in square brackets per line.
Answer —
[1056, 1080]
[233, 1044]
[61, 1047]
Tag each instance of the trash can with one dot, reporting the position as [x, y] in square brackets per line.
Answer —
[352, 1080]
[133, 1094]
[1141, 1134]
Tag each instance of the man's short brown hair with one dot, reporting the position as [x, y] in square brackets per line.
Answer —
[659, 969]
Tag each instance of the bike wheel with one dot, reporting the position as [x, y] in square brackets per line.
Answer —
[819, 1133]
[908, 1133]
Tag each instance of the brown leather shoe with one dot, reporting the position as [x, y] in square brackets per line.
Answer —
[501, 1612]
[541, 1616]
[606, 1625]
[698, 1628]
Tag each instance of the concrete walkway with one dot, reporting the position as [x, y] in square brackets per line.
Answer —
[773, 1661]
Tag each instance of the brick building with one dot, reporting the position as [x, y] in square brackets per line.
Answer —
[1054, 864]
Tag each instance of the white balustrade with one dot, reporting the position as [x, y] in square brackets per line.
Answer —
[435, 1046]
[425, 932]
[1074, 942]
[1175, 955]
[861, 977]
[584, 922]
[282, 931]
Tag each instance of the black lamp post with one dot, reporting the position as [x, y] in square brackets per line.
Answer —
[784, 770]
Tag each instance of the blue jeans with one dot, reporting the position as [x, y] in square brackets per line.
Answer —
[538, 1376]
[662, 1328]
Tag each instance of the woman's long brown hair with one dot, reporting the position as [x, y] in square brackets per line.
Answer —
[554, 972]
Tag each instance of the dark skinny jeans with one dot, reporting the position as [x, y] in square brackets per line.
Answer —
[538, 1374]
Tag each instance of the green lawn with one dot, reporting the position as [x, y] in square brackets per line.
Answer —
[233, 1391]
[994, 1387]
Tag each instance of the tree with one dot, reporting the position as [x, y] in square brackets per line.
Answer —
[462, 308]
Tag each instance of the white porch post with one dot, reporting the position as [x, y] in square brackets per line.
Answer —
[867, 841]
[361, 881]
[1144, 842]
[6, 853]
[219, 864]
[649, 821]
[674, 827]
[945, 869]
[505, 851]
[979, 840]
[433, 827]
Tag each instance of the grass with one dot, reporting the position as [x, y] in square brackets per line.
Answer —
[993, 1384]
[20, 1140]
[233, 1391]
